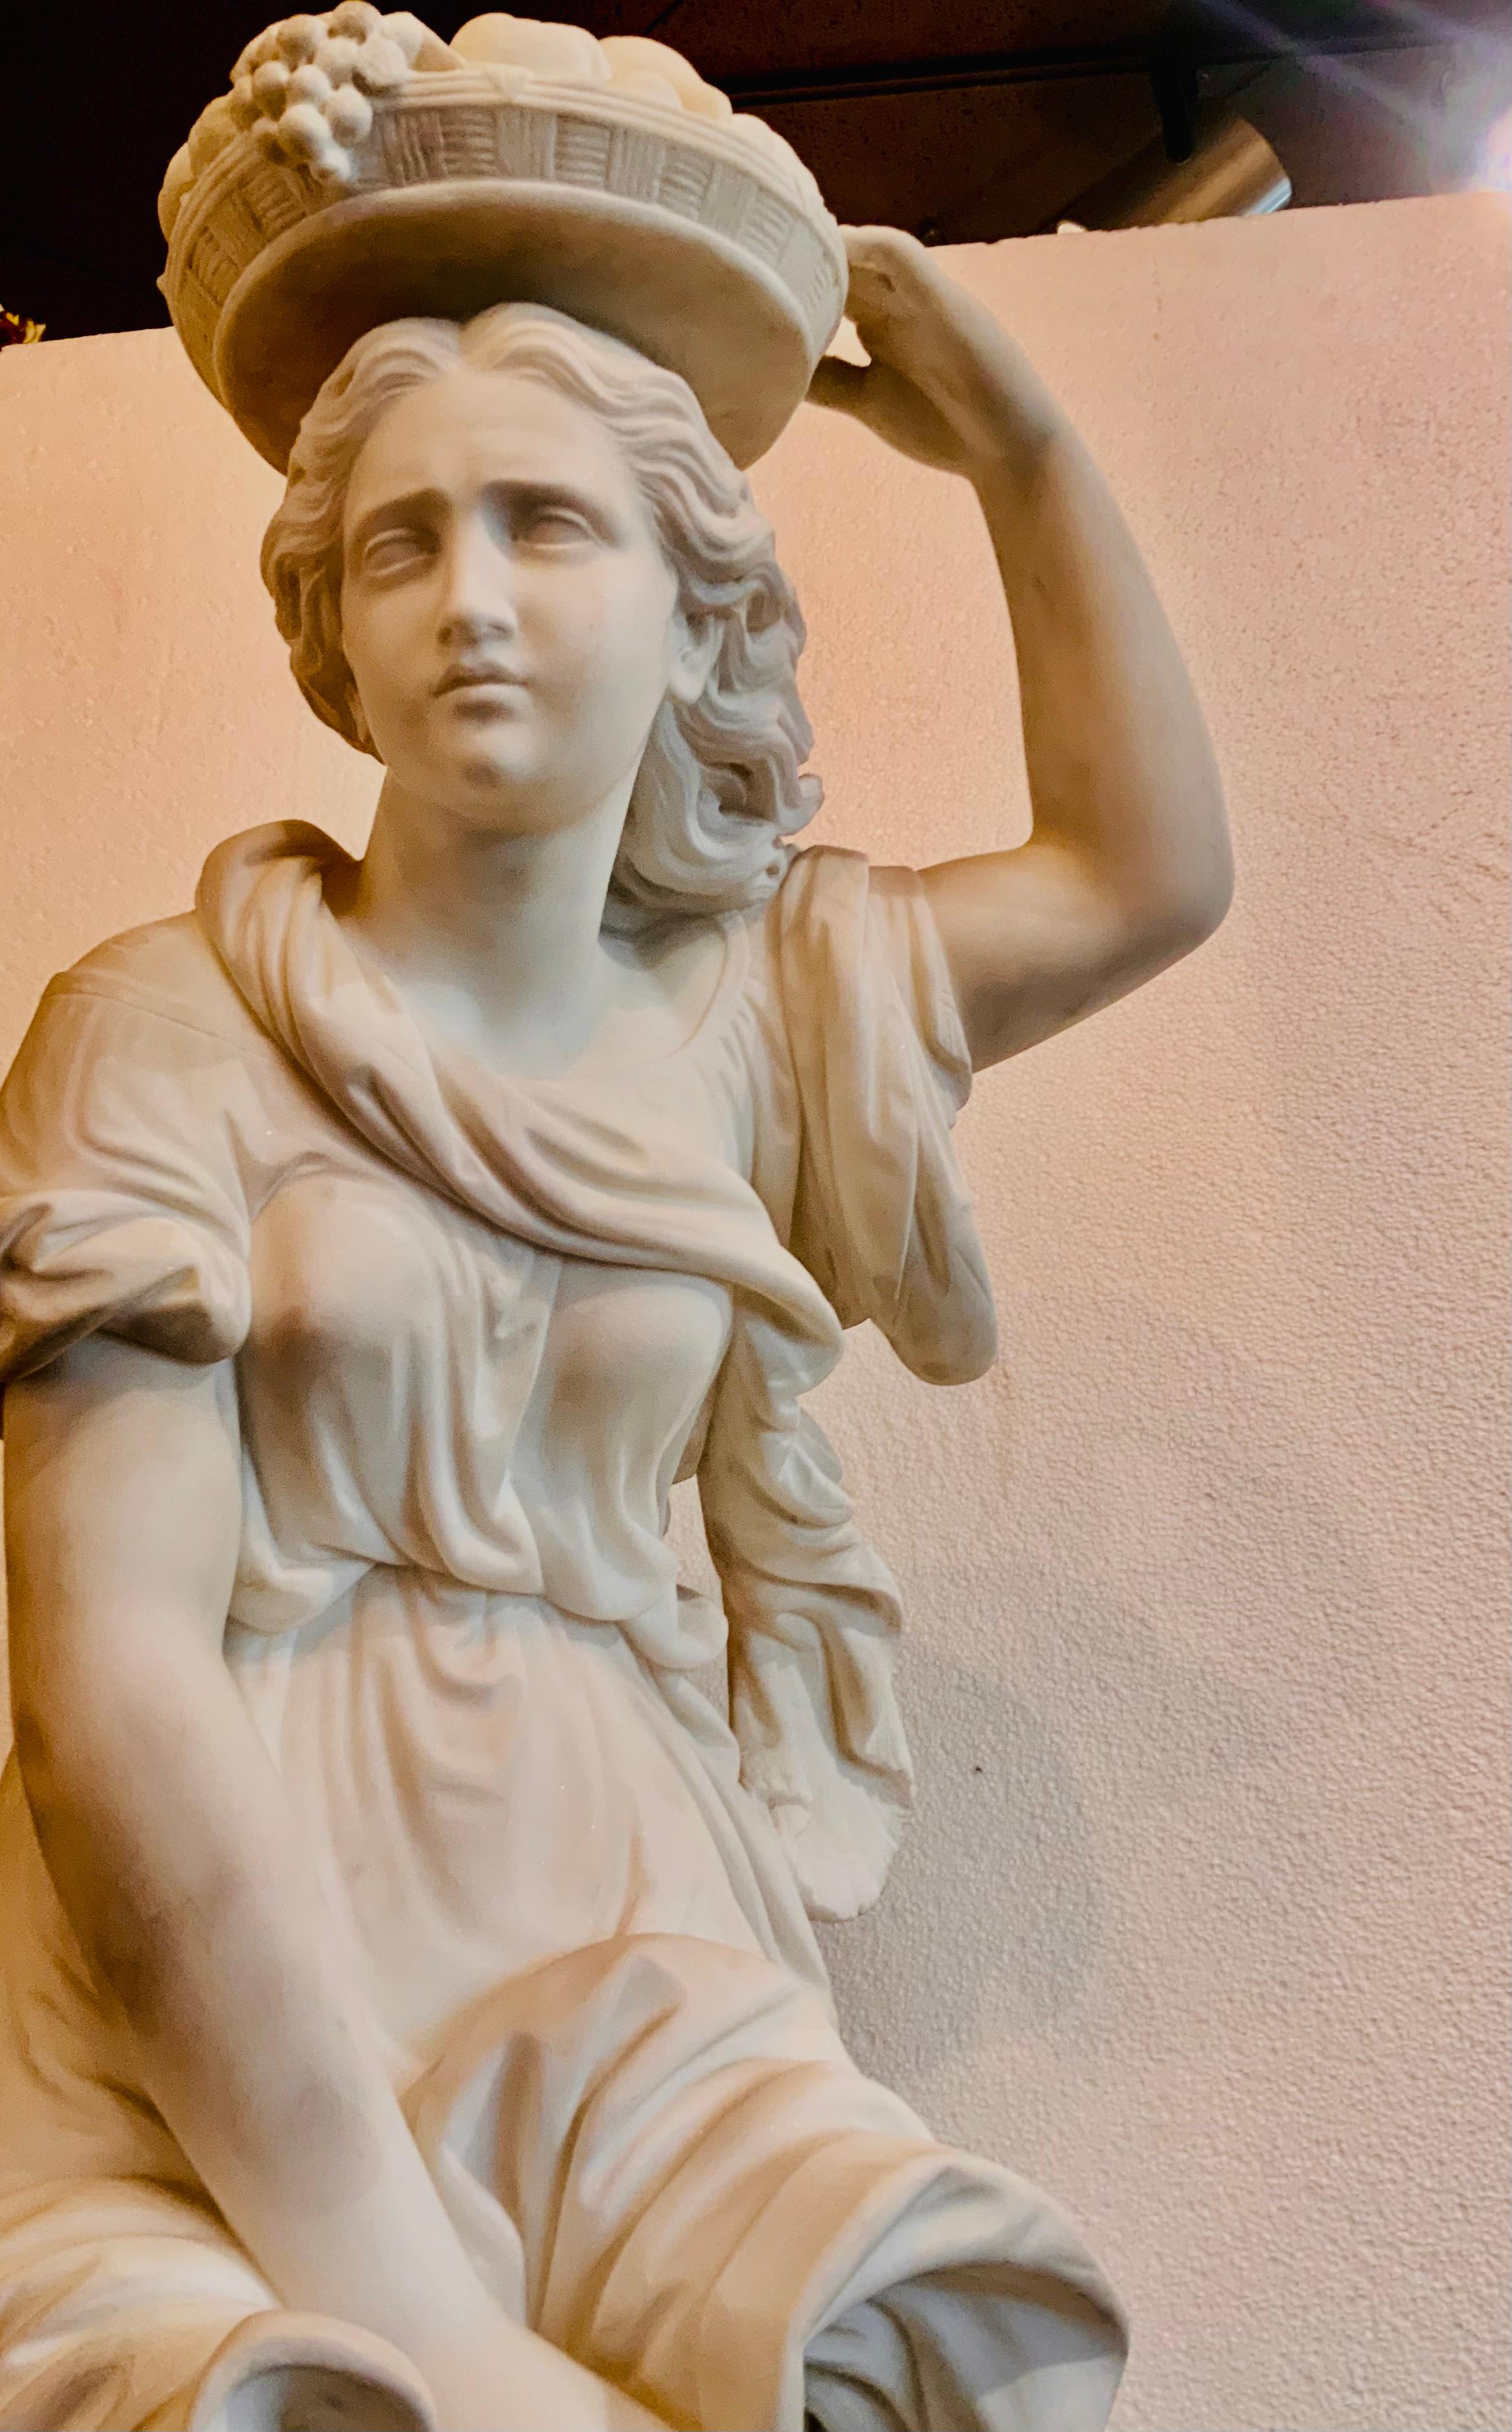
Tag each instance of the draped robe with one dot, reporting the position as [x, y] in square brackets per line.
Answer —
[480, 1326]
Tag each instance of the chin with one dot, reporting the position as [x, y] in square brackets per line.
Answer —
[508, 802]
[476, 775]
[487, 778]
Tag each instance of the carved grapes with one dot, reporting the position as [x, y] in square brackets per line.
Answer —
[304, 90]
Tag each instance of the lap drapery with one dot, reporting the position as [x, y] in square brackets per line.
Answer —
[664, 2161]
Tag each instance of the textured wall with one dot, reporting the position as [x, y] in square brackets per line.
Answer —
[1202, 1920]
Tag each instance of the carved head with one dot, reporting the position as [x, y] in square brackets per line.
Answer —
[524, 499]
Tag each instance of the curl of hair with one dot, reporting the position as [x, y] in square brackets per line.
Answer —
[721, 787]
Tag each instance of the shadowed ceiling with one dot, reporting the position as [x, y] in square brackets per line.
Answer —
[960, 119]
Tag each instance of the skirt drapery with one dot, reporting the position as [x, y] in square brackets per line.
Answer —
[609, 2029]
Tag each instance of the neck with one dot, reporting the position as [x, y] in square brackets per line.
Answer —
[498, 935]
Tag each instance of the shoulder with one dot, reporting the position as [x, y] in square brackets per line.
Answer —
[822, 883]
[834, 912]
[147, 1019]
[830, 885]
[818, 875]
[807, 973]
[806, 943]
[857, 963]
[166, 974]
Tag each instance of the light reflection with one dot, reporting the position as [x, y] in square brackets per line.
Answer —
[1491, 162]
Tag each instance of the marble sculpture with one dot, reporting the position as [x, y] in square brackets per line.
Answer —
[411, 2014]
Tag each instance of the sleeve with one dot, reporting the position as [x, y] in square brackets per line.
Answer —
[877, 1211]
[880, 1215]
[121, 1209]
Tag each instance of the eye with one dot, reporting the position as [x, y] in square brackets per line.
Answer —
[550, 523]
[390, 552]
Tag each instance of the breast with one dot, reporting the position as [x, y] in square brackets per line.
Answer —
[420, 1389]
[625, 1340]
[628, 1362]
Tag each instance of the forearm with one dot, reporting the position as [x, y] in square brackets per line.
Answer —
[1128, 866]
[1121, 774]
[169, 1837]
[167, 1834]
[174, 1851]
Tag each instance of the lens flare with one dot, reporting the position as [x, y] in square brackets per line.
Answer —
[1491, 162]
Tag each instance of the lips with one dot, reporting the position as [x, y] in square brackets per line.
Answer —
[473, 679]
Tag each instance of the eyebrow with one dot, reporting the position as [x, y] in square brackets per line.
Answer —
[521, 492]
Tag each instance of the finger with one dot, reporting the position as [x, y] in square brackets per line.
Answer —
[888, 267]
[873, 308]
[886, 249]
[838, 384]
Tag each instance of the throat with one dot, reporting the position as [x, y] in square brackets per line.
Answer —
[493, 939]
[630, 1008]
[527, 1033]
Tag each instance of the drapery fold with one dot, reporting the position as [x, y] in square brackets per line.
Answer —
[119, 1210]
[881, 1230]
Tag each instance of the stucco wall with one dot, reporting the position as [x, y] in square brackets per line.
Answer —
[1202, 1921]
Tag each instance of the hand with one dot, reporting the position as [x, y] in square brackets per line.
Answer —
[946, 384]
[498, 2376]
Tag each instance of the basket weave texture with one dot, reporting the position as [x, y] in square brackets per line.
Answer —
[632, 150]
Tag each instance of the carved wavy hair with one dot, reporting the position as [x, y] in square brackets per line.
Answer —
[721, 785]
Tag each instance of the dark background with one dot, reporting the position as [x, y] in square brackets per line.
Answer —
[960, 119]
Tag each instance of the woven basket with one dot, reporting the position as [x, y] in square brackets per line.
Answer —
[681, 235]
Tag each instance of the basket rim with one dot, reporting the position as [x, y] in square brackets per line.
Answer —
[528, 201]
[474, 87]
[758, 294]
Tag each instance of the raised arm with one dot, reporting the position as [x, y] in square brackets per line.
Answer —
[1128, 867]
[163, 1823]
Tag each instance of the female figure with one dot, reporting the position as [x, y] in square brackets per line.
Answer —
[411, 2010]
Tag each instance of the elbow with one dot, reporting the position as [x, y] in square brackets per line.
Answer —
[36, 1767]
[68, 1847]
[1156, 935]
[1212, 894]
[1168, 905]
[71, 1781]
[1198, 884]
[50, 1760]
[1191, 915]
[1203, 914]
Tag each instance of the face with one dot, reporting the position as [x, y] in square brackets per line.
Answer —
[506, 612]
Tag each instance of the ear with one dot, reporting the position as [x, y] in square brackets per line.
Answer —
[695, 647]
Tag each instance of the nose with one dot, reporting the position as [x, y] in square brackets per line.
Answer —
[477, 601]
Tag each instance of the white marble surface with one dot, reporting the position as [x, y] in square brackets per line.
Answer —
[1220, 1881]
